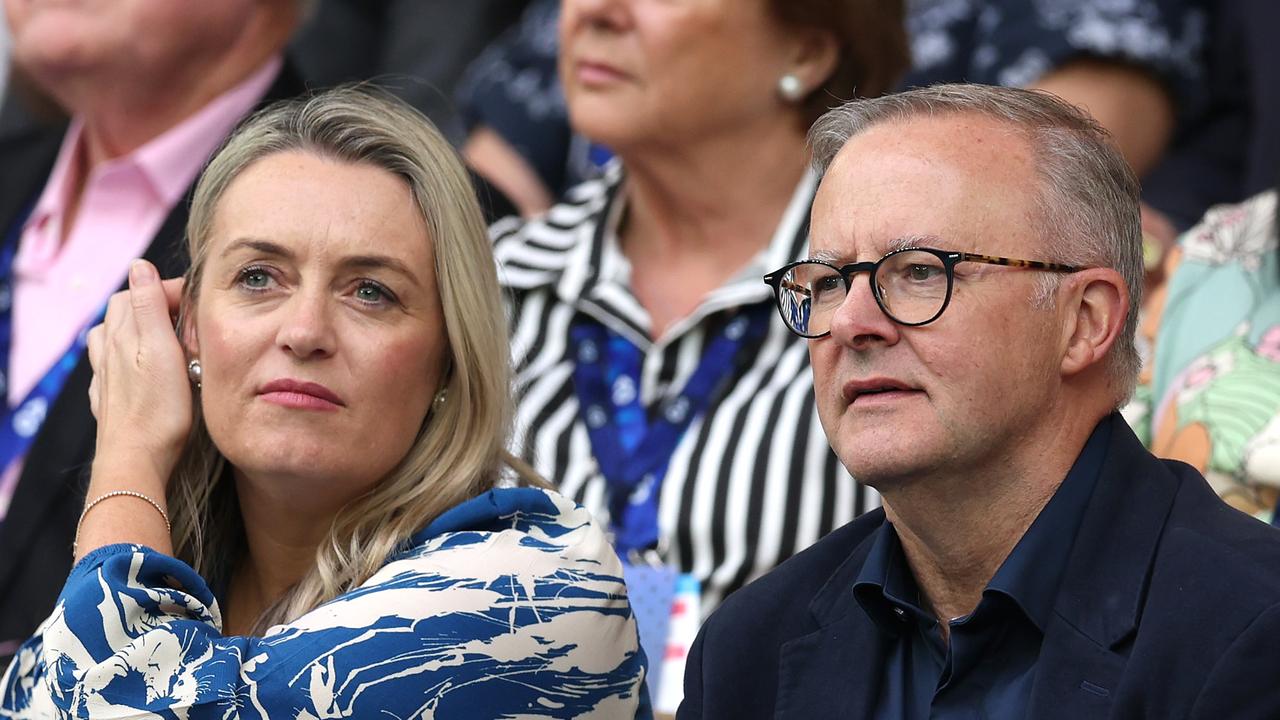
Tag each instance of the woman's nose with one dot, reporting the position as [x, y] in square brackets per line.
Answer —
[306, 326]
[597, 14]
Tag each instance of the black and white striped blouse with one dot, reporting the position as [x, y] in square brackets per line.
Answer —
[752, 481]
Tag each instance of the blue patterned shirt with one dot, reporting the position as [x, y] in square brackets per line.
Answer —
[509, 605]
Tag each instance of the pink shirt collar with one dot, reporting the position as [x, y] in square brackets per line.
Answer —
[168, 162]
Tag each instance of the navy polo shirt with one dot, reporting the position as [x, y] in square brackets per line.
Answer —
[988, 669]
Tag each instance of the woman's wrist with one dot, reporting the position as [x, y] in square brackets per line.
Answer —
[125, 503]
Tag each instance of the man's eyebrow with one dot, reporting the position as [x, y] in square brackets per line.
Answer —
[904, 242]
[826, 256]
[913, 241]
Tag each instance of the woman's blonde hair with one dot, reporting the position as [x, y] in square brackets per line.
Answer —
[459, 452]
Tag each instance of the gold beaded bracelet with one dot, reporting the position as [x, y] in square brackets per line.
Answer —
[75, 544]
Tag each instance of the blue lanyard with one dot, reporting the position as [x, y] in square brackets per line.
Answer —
[633, 450]
[20, 423]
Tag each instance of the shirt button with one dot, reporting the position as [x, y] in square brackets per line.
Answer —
[77, 282]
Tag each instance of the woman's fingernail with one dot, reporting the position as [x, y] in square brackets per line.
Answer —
[141, 272]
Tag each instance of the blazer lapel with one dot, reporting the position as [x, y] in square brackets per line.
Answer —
[28, 160]
[1105, 585]
[836, 670]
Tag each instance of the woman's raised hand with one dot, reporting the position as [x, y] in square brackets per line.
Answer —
[140, 393]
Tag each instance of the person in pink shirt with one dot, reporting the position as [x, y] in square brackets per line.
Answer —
[152, 88]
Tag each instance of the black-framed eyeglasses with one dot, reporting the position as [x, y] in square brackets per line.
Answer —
[912, 286]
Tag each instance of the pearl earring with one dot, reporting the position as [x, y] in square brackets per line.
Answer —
[790, 88]
[195, 373]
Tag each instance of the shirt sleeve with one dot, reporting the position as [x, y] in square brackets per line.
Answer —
[478, 624]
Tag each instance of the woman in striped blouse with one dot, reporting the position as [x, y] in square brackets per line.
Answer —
[327, 429]
[653, 384]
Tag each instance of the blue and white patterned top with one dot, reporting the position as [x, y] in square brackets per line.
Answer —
[509, 605]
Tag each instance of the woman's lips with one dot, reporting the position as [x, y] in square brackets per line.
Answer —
[597, 74]
[300, 395]
[298, 401]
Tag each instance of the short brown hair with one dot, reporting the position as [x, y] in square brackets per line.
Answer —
[872, 38]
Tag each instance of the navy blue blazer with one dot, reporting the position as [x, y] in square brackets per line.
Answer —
[1169, 608]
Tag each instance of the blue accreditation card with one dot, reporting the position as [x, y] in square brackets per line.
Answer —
[668, 613]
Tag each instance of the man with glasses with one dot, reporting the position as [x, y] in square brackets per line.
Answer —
[970, 303]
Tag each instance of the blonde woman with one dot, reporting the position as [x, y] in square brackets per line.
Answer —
[294, 511]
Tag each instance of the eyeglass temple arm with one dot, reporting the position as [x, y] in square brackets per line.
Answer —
[1011, 262]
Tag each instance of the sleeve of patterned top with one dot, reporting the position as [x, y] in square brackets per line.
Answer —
[511, 604]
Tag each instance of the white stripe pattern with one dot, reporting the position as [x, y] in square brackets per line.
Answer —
[753, 481]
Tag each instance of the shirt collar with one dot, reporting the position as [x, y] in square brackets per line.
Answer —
[1031, 575]
[174, 158]
[168, 162]
[885, 587]
[599, 273]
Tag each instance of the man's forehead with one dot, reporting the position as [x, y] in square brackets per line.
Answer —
[928, 182]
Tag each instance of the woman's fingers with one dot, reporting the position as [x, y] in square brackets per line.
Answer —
[139, 392]
[94, 394]
[173, 294]
[149, 303]
[94, 346]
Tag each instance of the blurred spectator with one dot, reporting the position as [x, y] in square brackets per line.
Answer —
[1136, 66]
[152, 88]
[1231, 150]
[1210, 394]
[512, 104]
[4, 55]
[655, 384]
[415, 48]
[1129, 63]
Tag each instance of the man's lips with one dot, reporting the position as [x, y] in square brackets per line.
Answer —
[300, 394]
[867, 388]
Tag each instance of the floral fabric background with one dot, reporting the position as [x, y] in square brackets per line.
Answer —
[1210, 394]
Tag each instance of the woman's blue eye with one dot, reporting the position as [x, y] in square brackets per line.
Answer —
[372, 293]
[255, 278]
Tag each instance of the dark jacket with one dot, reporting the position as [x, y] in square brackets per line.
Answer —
[1169, 608]
[36, 534]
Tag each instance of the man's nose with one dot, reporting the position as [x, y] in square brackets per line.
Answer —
[859, 322]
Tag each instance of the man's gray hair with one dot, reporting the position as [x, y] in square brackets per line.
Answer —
[1088, 196]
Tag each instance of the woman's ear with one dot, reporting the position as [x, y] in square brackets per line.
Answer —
[815, 54]
[1097, 309]
[186, 328]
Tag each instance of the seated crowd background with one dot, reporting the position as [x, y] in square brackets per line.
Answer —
[640, 167]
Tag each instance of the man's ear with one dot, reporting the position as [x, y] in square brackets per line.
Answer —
[1097, 305]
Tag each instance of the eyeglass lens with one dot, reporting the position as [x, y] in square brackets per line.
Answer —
[911, 286]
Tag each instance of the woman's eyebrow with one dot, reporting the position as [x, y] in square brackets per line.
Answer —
[265, 247]
[384, 262]
[370, 261]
